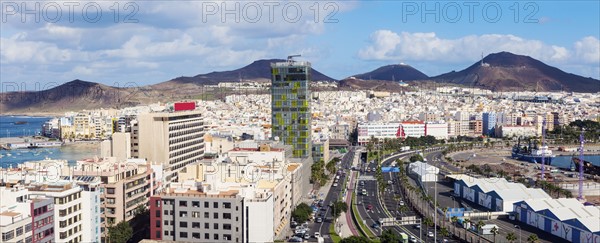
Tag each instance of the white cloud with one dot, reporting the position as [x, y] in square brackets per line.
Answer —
[385, 45]
[388, 45]
[588, 49]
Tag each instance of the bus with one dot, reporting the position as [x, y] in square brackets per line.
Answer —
[403, 237]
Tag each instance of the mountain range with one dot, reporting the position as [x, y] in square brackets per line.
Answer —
[502, 71]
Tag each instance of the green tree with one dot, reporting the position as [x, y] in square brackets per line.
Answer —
[355, 239]
[337, 209]
[479, 225]
[415, 158]
[444, 232]
[388, 236]
[120, 233]
[301, 213]
[511, 237]
[533, 238]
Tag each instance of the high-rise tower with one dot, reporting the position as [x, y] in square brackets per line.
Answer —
[290, 105]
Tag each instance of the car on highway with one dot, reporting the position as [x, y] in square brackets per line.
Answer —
[417, 226]
[362, 183]
[375, 226]
[319, 220]
[295, 239]
[317, 234]
[364, 192]
[413, 239]
[370, 207]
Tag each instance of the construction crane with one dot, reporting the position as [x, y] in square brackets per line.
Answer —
[581, 141]
[290, 58]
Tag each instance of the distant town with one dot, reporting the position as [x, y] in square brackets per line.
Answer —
[298, 162]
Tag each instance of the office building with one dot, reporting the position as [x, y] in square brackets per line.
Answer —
[489, 123]
[290, 105]
[173, 139]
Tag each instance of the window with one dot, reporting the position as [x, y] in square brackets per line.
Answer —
[216, 226]
[157, 234]
[227, 226]
[183, 203]
[157, 223]
[166, 232]
[227, 237]
[183, 234]
[206, 215]
[216, 236]
[206, 226]
[19, 231]
[195, 225]
[8, 235]
[158, 203]
[27, 227]
[183, 214]
[166, 223]
[183, 224]
[108, 191]
[227, 215]
[216, 215]
[227, 205]
[206, 236]
[196, 235]
[157, 213]
[206, 204]
[195, 204]
[166, 212]
[216, 205]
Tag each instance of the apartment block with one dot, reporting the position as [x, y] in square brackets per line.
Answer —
[68, 218]
[25, 217]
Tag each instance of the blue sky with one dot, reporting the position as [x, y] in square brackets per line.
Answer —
[147, 42]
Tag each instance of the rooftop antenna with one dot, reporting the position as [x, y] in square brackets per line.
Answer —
[581, 141]
[290, 58]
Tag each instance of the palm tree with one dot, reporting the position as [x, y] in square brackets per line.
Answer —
[533, 238]
[495, 232]
[479, 225]
[511, 237]
[444, 232]
[465, 222]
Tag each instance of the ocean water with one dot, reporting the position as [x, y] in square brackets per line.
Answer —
[33, 127]
[565, 161]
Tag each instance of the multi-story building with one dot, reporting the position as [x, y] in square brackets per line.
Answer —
[320, 150]
[489, 122]
[290, 105]
[437, 129]
[68, 218]
[25, 217]
[377, 130]
[340, 131]
[411, 129]
[174, 139]
[124, 186]
[475, 128]
[92, 206]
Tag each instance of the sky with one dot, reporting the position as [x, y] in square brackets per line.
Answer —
[44, 44]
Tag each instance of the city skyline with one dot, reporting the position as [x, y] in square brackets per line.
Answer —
[152, 42]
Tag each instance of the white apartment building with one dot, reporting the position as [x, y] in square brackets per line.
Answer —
[411, 129]
[68, 213]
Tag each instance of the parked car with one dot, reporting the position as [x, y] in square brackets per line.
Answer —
[317, 234]
[295, 239]
[401, 203]
[430, 234]
[335, 184]
[319, 220]
[307, 236]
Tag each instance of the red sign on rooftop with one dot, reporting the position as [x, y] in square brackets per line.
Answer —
[184, 106]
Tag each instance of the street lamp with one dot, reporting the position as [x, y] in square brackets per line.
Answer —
[516, 226]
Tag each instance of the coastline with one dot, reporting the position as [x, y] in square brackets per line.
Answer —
[35, 114]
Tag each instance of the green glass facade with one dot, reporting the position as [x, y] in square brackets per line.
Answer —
[290, 105]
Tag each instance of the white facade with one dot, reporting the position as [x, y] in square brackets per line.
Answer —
[68, 213]
[516, 131]
[91, 214]
[423, 171]
[260, 223]
[377, 130]
[412, 129]
[438, 130]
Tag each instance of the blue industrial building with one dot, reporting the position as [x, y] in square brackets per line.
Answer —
[564, 217]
